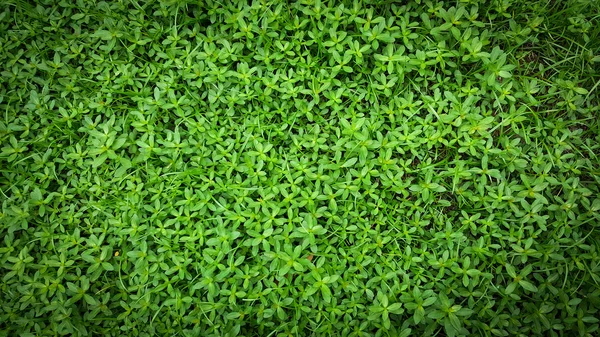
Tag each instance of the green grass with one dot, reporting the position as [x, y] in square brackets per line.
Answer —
[189, 168]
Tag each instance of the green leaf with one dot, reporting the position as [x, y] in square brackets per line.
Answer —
[511, 271]
[504, 74]
[395, 308]
[405, 332]
[103, 34]
[528, 286]
[436, 314]
[511, 287]
[350, 162]
[589, 319]
[326, 293]
[99, 160]
[429, 301]
[419, 315]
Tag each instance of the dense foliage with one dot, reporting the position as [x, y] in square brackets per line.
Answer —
[299, 168]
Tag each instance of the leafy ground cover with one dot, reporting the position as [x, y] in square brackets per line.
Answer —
[299, 168]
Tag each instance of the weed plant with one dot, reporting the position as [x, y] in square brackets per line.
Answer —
[299, 168]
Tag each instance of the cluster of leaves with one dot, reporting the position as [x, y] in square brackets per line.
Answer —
[299, 168]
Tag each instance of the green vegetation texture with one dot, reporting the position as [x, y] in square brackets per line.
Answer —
[282, 168]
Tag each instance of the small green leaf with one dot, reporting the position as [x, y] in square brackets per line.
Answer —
[528, 286]
[395, 308]
[350, 162]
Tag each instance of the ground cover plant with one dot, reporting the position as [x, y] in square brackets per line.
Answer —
[310, 168]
